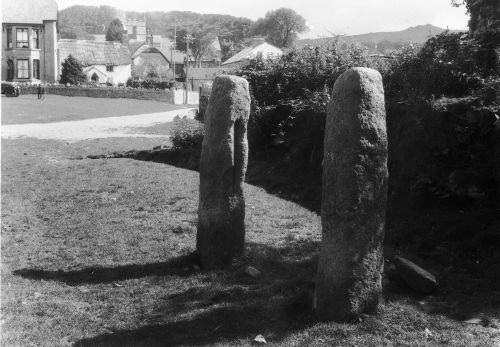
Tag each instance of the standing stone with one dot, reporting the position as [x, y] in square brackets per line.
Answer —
[349, 279]
[224, 156]
[205, 90]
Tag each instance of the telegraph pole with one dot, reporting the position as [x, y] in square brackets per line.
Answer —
[188, 38]
[173, 49]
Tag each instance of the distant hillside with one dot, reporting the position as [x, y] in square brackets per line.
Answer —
[381, 41]
[83, 22]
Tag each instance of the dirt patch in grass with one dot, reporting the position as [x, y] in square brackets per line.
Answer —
[99, 253]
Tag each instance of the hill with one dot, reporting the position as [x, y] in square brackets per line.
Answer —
[83, 22]
[381, 41]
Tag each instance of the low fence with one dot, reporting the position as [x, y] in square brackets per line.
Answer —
[176, 97]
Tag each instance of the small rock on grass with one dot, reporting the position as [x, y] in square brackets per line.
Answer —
[473, 321]
[414, 276]
[252, 271]
[260, 339]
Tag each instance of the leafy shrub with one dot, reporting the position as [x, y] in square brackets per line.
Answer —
[290, 95]
[449, 64]
[187, 134]
[150, 84]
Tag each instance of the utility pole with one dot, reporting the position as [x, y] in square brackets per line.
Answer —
[173, 49]
[188, 38]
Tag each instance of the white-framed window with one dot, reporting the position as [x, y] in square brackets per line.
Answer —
[22, 68]
[36, 69]
[9, 37]
[35, 38]
[110, 68]
[22, 38]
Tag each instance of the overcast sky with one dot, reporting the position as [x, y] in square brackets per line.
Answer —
[323, 16]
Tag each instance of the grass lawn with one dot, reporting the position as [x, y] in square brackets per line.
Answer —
[56, 108]
[99, 253]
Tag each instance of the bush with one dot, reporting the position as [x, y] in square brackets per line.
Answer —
[290, 95]
[187, 134]
[449, 64]
[150, 84]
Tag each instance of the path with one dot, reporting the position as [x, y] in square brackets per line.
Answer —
[125, 126]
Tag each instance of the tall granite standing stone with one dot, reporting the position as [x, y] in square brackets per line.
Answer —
[224, 156]
[349, 279]
[205, 90]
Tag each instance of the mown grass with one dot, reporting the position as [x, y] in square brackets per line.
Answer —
[56, 108]
[100, 253]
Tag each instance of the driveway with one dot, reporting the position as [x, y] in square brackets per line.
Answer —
[126, 126]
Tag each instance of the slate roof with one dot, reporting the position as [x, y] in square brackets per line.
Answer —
[28, 11]
[253, 51]
[94, 52]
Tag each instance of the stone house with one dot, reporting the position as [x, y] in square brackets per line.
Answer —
[256, 47]
[29, 41]
[104, 62]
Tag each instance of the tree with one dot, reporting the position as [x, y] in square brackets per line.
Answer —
[484, 26]
[200, 43]
[72, 71]
[115, 31]
[280, 27]
[484, 14]
[82, 22]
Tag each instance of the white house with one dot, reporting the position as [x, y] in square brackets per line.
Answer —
[257, 47]
[103, 61]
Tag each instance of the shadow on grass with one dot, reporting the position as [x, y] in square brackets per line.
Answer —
[235, 306]
[260, 173]
[219, 325]
[97, 274]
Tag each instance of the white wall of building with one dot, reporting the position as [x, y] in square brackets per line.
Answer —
[120, 74]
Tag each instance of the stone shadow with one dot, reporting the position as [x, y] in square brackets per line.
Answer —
[235, 305]
[275, 181]
[99, 274]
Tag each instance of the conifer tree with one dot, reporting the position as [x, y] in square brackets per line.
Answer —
[72, 71]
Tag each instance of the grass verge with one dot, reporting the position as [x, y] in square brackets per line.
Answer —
[99, 253]
[57, 108]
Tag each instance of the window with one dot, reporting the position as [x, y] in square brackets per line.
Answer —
[35, 42]
[110, 68]
[36, 69]
[9, 38]
[22, 68]
[22, 38]
[10, 70]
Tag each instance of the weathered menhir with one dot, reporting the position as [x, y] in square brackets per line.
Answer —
[224, 156]
[354, 198]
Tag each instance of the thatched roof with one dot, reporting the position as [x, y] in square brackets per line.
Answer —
[94, 52]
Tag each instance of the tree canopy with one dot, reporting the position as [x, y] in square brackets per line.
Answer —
[201, 40]
[82, 22]
[280, 27]
[115, 31]
[72, 71]
[484, 15]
